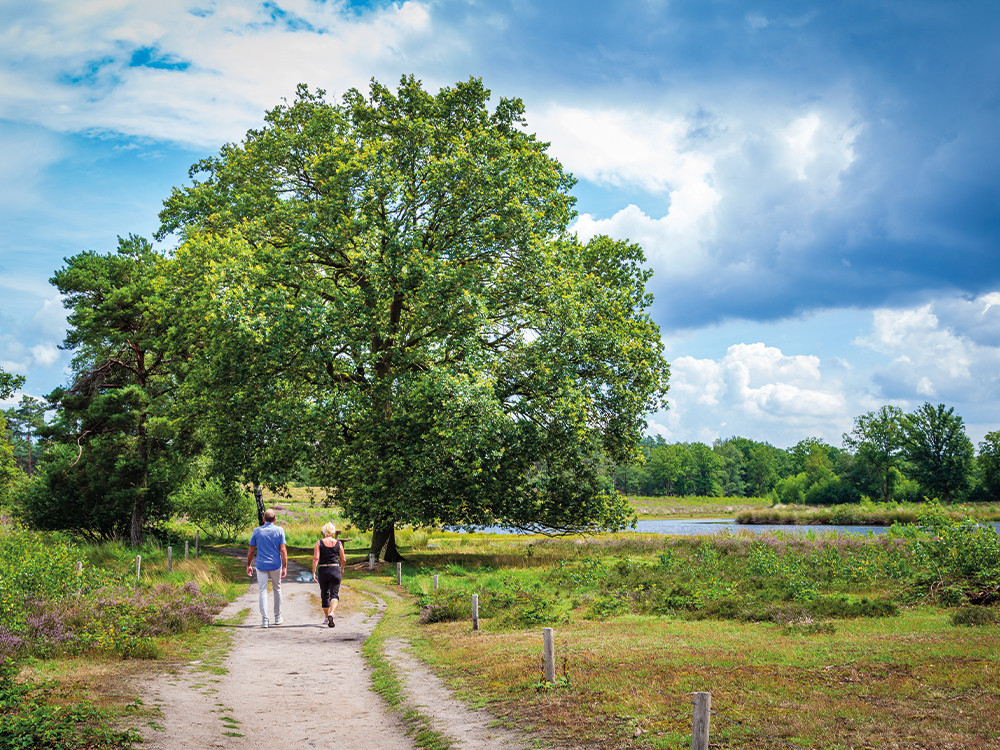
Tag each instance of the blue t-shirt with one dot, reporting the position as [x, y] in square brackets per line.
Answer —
[268, 540]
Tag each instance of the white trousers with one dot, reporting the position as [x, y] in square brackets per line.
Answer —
[274, 576]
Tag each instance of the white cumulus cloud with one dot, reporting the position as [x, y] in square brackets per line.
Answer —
[754, 384]
[945, 349]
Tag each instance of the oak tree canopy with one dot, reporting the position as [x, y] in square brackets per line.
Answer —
[387, 283]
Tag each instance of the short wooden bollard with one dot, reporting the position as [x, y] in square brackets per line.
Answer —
[197, 544]
[138, 566]
[170, 559]
[371, 562]
[435, 582]
[475, 611]
[702, 719]
[549, 649]
[399, 574]
[185, 550]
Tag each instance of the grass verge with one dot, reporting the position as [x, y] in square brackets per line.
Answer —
[397, 621]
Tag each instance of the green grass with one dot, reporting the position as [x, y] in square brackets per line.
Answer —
[396, 621]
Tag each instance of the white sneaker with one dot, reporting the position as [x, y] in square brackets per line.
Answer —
[264, 623]
[278, 620]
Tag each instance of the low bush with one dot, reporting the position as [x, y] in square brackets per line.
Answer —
[220, 508]
[974, 615]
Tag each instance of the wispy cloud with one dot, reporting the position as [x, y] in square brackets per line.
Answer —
[200, 77]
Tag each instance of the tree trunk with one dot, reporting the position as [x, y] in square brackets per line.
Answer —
[139, 506]
[258, 494]
[384, 538]
[138, 517]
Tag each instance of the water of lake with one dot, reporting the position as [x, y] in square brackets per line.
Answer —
[708, 526]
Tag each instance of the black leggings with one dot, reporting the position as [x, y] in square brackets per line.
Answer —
[329, 583]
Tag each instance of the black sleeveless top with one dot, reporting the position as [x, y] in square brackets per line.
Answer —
[329, 555]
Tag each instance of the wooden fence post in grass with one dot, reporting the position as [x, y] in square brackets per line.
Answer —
[399, 574]
[79, 566]
[549, 649]
[170, 559]
[185, 550]
[475, 611]
[702, 718]
[197, 543]
[371, 562]
[138, 566]
[435, 581]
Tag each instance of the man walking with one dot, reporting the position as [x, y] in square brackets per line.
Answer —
[267, 544]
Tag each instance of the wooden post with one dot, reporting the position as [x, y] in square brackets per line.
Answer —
[549, 648]
[475, 611]
[79, 566]
[185, 550]
[435, 581]
[197, 543]
[702, 719]
[399, 574]
[138, 566]
[371, 562]
[170, 559]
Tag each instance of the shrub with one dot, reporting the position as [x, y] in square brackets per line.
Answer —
[974, 615]
[956, 561]
[445, 607]
[843, 608]
[218, 507]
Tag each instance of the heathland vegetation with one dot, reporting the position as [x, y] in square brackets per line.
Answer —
[820, 640]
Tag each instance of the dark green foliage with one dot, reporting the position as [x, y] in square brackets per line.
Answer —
[973, 615]
[889, 456]
[938, 452]
[119, 454]
[989, 466]
[219, 507]
[24, 423]
[9, 383]
[93, 490]
[844, 608]
[399, 263]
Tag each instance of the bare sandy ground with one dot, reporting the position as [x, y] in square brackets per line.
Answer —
[303, 685]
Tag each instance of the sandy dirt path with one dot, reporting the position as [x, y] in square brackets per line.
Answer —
[303, 685]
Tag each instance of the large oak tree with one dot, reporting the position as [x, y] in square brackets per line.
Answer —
[397, 268]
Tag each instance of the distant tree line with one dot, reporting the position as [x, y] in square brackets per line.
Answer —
[889, 456]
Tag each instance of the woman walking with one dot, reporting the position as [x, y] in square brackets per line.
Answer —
[328, 569]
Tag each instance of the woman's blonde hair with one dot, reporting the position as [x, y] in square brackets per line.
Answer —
[329, 529]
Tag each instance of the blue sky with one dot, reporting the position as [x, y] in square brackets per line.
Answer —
[815, 185]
